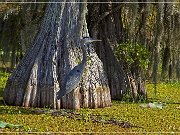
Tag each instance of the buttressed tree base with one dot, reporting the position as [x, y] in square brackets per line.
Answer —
[54, 52]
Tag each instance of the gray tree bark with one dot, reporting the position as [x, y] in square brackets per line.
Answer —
[158, 32]
[30, 16]
[105, 21]
[54, 52]
[110, 31]
[168, 27]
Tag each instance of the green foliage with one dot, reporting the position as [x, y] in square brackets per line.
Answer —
[85, 114]
[127, 98]
[166, 92]
[3, 78]
[133, 52]
[148, 119]
[6, 7]
[8, 125]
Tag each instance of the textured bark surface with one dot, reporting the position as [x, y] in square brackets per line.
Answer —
[31, 15]
[158, 32]
[55, 51]
[109, 30]
[168, 35]
[105, 21]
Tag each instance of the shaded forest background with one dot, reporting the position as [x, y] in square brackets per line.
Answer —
[143, 38]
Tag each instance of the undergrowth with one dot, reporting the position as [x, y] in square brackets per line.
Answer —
[147, 119]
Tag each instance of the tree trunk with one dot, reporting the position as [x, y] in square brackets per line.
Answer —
[177, 41]
[107, 31]
[178, 66]
[30, 17]
[105, 21]
[157, 41]
[53, 54]
[165, 62]
[168, 27]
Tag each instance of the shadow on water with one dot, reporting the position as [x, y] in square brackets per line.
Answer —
[7, 109]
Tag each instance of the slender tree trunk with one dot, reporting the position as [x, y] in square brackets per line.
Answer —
[13, 58]
[168, 9]
[157, 41]
[54, 52]
[141, 34]
[178, 66]
[165, 62]
[137, 79]
[176, 35]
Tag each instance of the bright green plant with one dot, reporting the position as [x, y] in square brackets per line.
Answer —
[85, 113]
[157, 120]
[3, 78]
[133, 52]
[8, 125]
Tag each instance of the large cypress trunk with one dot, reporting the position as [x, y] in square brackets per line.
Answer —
[102, 25]
[105, 21]
[53, 54]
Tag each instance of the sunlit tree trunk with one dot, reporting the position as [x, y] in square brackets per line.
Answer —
[54, 52]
